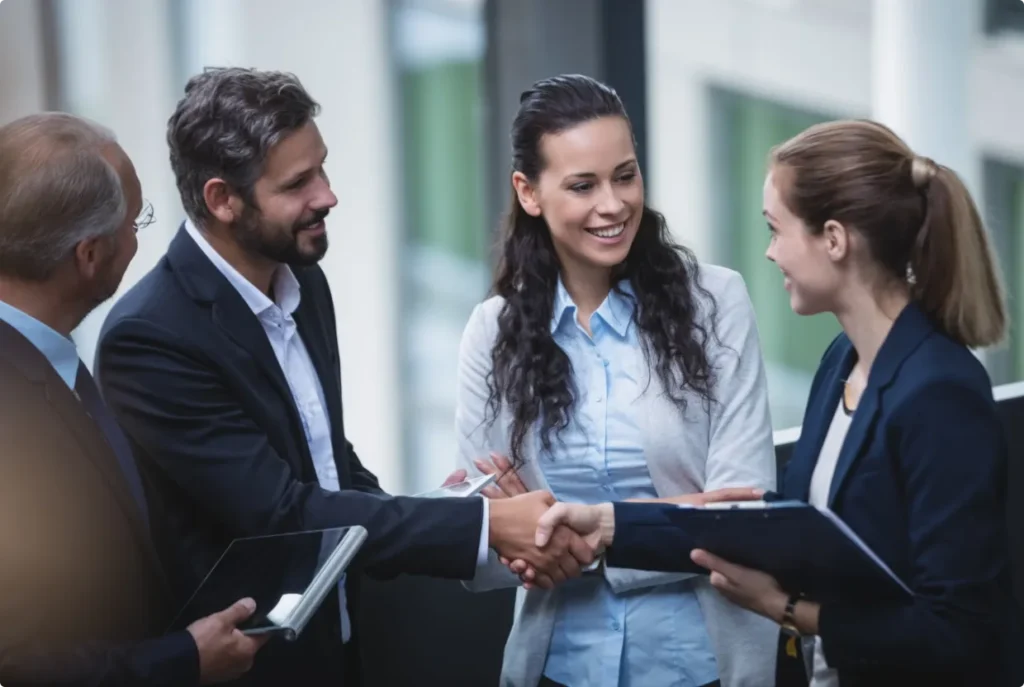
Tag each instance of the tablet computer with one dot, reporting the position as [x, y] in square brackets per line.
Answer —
[287, 575]
[468, 487]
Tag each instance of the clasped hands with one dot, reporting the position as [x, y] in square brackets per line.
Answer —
[565, 537]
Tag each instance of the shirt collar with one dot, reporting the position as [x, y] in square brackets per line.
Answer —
[287, 292]
[616, 311]
[59, 350]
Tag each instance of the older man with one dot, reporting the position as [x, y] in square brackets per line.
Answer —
[82, 596]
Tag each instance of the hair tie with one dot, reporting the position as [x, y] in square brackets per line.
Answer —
[922, 171]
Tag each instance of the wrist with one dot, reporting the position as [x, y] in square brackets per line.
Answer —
[776, 607]
[607, 524]
[806, 615]
[496, 511]
[783, 611]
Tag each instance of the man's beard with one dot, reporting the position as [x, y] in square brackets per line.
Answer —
[272, 243]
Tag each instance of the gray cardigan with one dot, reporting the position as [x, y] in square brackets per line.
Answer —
[730, 446]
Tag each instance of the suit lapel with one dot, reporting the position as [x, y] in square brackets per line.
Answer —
[316, 339]
[859, 431]
[908, 332]
[243, 327]
[206, 285]
[68, 408]
[815, 426]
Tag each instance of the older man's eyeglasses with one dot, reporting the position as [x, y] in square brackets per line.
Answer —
[145, 217]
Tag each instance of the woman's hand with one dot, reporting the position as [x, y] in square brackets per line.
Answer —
[756, 591]
[719, 495]
[751, 589]
[508, 483]
[713, 496]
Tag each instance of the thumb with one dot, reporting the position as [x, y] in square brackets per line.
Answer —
[456, 477]
[238, 611]
[732, 494]
[552, 518]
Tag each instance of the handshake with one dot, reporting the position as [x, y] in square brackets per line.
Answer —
[546, 542]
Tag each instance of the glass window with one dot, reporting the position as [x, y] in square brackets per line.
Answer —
[747, 128]
[440, 51]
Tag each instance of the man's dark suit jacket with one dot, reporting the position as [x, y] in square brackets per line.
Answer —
[83, 600]
[921, 478]
[190, 374]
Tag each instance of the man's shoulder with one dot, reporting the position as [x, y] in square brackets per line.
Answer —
[156, 297]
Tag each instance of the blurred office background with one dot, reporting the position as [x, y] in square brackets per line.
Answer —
[417, 99]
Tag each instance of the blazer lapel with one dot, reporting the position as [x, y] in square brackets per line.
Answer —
[316, 339]
[859, 431]
[908, 331]
[815, 427]
[243, 327]
[205, 284]
[94, 445]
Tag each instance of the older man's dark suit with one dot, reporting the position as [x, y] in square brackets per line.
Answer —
[83, 601]
[194, 381]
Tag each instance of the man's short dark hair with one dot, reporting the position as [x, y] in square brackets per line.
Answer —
[225, 126]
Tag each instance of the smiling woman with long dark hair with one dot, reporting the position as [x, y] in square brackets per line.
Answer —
[609, 363]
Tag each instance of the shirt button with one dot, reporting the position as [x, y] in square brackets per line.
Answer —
[608, 488]
[616, 626]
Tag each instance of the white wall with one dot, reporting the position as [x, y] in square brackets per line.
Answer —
[22, 85]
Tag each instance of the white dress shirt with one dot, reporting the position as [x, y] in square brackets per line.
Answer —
[275, 316]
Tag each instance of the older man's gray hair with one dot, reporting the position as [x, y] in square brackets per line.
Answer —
[56, 190]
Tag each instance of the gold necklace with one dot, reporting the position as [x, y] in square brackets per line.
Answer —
[850, 396]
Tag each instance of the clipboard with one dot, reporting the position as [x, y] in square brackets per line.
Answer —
[807, 549]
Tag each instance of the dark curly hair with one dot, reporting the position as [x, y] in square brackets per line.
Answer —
[529, 371]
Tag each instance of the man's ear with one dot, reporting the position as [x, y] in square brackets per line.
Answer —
[222, 202]
[92, 255]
